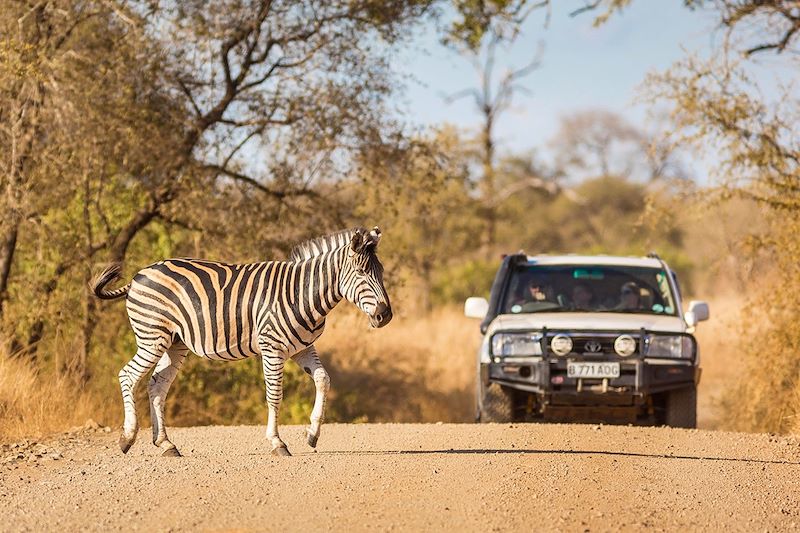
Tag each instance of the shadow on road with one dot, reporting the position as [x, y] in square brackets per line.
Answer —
[552, 452]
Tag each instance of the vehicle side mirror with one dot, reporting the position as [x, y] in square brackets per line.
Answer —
[476, 307]
[698, 312]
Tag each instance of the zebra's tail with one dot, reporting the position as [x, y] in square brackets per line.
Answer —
[110, 273]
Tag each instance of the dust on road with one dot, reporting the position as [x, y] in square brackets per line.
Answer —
[518, 477]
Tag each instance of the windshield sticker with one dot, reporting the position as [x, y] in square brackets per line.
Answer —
[586, 273]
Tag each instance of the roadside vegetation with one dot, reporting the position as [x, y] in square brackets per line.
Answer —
[137, 130]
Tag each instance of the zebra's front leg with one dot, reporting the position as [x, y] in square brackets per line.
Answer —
[310, 363]
[272, 362]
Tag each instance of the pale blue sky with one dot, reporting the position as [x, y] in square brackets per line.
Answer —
[583, 67]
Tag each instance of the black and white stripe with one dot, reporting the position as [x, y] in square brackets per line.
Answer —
[229, 312]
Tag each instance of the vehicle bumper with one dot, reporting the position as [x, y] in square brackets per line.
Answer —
[548, 379]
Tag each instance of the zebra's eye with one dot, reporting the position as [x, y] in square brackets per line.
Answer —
[361, 272]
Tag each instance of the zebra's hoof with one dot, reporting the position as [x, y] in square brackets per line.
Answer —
[171, 452]
[312, 439]
[125, 443]
[281, 451]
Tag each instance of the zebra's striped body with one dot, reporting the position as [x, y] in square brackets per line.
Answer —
[218, 310]
[229, 312]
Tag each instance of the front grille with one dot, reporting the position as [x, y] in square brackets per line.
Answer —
[582, 344]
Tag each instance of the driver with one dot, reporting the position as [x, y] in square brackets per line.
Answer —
[533, 293]
[537, 291]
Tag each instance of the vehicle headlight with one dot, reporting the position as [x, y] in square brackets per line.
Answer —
[675, 346]
[561, 344]
[625, 345]
[516, 344]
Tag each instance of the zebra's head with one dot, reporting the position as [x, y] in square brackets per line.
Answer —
[361, 279]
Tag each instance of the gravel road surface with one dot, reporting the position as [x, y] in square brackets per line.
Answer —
[407, 477]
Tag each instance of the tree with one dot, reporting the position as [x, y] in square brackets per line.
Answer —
[173, 103]
[422, 193]
[71, 90]
[290, 81]
[484, 27]
[718, 104]
[598, 142]
[777, 21]
[34, 46]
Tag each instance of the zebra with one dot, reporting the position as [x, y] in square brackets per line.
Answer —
[228, 312]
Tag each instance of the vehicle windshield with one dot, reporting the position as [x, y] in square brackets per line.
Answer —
[589, 288]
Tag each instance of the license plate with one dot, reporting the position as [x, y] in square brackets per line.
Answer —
[593, 370]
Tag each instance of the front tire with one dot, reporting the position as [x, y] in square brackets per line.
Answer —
[498, 406]
[681, 408]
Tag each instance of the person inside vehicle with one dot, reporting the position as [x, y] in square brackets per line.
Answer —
[534, 294]
[630, 297]
[537, 291]
[581, 296]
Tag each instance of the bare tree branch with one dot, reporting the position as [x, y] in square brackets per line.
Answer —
[189, 95]
[588, 7]
[243, 178]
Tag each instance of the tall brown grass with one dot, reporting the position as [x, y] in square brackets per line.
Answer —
[764, 394]
[419, 368]
[34, 404]
[720, 342]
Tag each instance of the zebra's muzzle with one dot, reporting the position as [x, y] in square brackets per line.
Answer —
[381, 317]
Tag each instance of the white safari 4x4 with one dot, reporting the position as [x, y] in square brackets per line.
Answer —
[592, 338]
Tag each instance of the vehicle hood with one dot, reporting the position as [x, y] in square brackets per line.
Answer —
[587, 321]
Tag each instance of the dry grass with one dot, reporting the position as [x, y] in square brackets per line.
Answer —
[416, 369]
[33, 404]
[720, 349]
[765, 394]
[420, 368]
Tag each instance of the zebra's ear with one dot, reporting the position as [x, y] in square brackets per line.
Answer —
[374, 237]
[357, 241]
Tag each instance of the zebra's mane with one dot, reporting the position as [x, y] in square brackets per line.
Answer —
[320, 245]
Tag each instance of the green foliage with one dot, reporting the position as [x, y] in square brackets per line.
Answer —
[470, 277]
[214, 392]
[608, 214]
[476, 18]
[423, 199]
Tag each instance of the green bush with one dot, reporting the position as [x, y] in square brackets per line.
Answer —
[456, 283]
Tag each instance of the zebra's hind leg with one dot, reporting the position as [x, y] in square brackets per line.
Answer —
[129, 377]
[310, 363]
[272, 362]
[158, 388]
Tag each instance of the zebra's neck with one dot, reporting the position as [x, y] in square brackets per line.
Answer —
[318, 278]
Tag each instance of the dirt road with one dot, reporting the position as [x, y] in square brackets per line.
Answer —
[408, 477]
